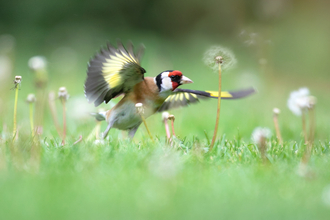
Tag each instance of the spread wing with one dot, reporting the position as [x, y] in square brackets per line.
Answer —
[113, 71]
[184, 97]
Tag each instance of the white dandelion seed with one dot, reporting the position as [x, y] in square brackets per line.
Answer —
[299, 100]
[259, 134]
[228, 56]
[37, 63]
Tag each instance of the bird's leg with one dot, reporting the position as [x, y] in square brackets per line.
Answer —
[132, 131]
[105, 133]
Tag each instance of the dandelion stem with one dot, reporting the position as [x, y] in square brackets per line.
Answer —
[218, 111]
[172, 123]
[15, 110]
[263, 150]
[277, 129]
[167, 129]
[64, 121]
[311, 125]
[31, 119]
[51, 103]
[303, 117]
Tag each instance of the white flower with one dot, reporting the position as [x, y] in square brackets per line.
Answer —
[31, 98]
[259, 134]
[210, 55]
[165, 116]
[37, 63]
[276, 111]
[139, 108]
[299, 100]
[63, 94]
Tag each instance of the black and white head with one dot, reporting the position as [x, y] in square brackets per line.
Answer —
[170, 80]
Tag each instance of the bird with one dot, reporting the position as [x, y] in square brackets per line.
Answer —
[116, 71]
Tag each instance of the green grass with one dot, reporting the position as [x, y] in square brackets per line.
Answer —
[124, 180]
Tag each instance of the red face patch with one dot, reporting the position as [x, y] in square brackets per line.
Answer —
[174, 85]
[175, 73]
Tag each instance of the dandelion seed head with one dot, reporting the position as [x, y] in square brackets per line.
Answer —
[165, 116]
[31, 98]
[63, 94]
[139, 108]
[37, 63]
[18, 80]
[276, 111]
[217, 54]
[259, 134]
[299, 100]
[171, 117]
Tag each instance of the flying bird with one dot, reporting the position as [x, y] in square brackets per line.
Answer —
[116, 71]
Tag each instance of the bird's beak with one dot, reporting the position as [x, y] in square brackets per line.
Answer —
[185, 80]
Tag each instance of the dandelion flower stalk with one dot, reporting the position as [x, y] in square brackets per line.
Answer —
[31, 99]
[17, 83]
[303, 120]
[38, 65]
[172, 118]
[308, 150]
[165, 116]
[311, 111]
[276, 112]
[219, 60]
[140, 110]
[52, 106]
[298, 103]
[259, 137]
[63, 96]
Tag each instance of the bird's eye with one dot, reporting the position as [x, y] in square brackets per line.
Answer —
[175, 77]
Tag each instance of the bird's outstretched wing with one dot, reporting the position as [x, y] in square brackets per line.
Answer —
[184, 97]
[113, 71]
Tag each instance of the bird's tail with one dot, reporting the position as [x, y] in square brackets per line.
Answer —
[215, 94]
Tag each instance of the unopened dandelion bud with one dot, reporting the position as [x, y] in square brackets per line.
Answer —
[219, 59]
[165, 116]
[31, 98]
[139, 108]
[276, 111]
[63, 94]
[260, 134]
[17, 80]
[171, 117]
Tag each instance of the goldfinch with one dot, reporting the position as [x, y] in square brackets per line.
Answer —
[115, 71]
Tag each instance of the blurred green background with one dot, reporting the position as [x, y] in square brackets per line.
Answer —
[280, 45]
